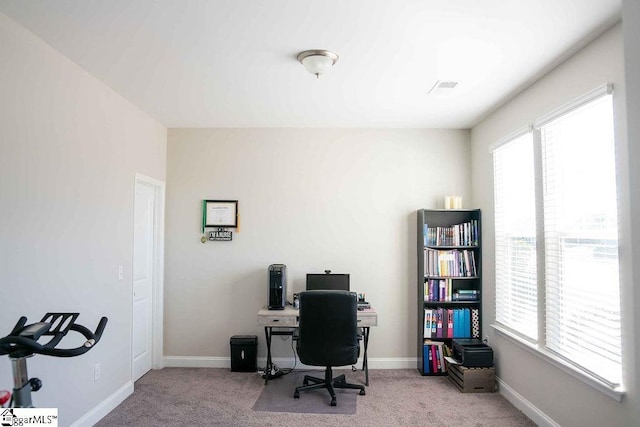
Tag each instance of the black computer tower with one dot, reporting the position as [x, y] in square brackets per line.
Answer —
[277, 292]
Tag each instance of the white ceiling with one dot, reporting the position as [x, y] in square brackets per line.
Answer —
[232, 63]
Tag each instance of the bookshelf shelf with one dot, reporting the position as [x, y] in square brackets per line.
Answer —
[449, 304]
[449, 267]
[450, 247]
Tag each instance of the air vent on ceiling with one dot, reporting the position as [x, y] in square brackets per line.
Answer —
[443, 88]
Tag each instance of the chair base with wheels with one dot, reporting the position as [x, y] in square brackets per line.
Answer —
[329, 383]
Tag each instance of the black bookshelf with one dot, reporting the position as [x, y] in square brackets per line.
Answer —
[454, 264]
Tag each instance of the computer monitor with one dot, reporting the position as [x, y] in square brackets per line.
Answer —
[331, 282]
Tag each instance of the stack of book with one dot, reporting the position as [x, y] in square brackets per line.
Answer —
[451, 323]
[465, 234]
[465, 295]
[449, 263]
[440, 290]
[434, 354]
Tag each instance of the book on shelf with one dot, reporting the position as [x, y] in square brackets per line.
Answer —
[475, 323]
[467, 322]
[427, 323]
[438, 355]
[434, 323]
[428, 359]
[439, 315]
[456, 323]
[426, 235]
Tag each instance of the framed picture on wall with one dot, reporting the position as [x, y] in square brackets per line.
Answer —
[219, 213]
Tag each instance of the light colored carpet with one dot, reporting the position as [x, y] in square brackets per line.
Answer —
[218, 397]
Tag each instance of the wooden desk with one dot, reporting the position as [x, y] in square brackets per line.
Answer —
[288, 319]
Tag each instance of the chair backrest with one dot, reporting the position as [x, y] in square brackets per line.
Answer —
[328, 328]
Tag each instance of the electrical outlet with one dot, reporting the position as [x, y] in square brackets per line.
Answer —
[120, 272]
[96, 372]
[486, 339]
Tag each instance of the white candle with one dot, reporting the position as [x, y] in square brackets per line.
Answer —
[458, 202]
[448, 202]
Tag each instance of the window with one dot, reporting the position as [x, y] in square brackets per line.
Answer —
[515, 208]
[572, 312]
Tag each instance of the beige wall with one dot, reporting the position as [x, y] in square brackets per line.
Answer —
[312, 199]
[563, 398]
[69, 151]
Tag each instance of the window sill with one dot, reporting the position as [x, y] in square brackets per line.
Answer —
[614, 393]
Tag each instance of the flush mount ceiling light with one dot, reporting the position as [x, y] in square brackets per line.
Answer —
[317, 61]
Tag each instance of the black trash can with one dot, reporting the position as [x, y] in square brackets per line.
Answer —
[244, 353]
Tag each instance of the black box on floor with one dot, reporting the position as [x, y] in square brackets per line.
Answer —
[244, 353]
[472, 353]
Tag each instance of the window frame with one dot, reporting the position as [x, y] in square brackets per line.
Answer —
[538, 347]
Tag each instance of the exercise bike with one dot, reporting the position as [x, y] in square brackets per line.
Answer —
[22, 343]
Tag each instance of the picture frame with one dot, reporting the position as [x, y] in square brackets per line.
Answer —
[219, 214]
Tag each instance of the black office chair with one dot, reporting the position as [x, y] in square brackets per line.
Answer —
[328, 336]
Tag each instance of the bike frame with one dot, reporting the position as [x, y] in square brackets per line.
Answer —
[22, 343]
[22, 387]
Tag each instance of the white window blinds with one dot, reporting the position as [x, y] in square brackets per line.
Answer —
[581, 239]
[515, 235]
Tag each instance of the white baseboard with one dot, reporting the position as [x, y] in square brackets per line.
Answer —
[196, 362]
[283, 362]
[530, 410]
[391, 363]
[109, 404]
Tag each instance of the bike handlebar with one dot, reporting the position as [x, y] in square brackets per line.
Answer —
[23, 341]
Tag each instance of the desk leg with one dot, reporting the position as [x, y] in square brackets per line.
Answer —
[269, 366]
[365, 362]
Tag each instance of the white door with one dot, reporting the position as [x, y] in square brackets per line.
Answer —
[143, 275]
